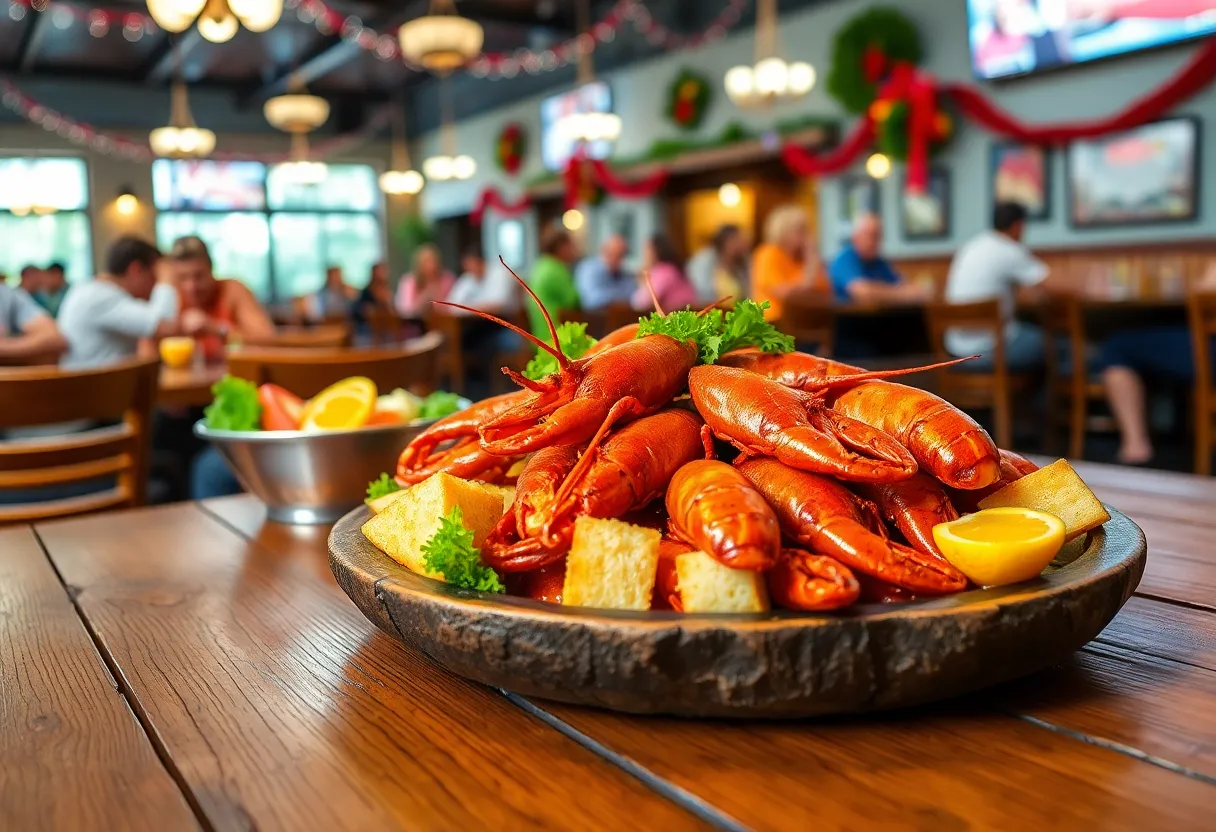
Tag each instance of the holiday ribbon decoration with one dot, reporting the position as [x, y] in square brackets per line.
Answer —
[491, 198]
[585, 178]
[801, 162]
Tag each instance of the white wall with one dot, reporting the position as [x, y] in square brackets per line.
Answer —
[1077, 93]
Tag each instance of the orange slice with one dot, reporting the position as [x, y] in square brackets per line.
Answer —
[342, 406]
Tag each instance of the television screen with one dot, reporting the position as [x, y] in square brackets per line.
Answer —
[1016, 37]
[556, 148]
[204, 185]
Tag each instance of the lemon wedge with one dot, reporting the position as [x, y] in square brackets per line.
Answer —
[345, 405]
[1000, 546]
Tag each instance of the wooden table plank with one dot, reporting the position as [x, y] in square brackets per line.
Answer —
[188, 386]
[282, 707]
[73, 755]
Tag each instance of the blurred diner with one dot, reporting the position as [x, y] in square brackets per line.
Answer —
[427, 281]
[668, 287]
[28, 335]
[602, 279]
[552, 280]
[230, 312]
[376, 298]
[488, 287]
[31, 280]
[335, 300]
[53, 289]
[860, 274]
[719, 270]
[787, 259]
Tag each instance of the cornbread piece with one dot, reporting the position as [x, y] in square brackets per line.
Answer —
[381, 503]
[508, 495]
[400, 530]
[1056, 489]
[708, 586]
[611, 565]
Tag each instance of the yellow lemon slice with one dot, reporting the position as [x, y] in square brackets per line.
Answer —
[342, 406]
[999, 546]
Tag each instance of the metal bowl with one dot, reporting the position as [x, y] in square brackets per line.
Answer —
[311, 478]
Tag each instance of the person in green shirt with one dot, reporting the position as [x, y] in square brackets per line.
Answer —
[552, 279]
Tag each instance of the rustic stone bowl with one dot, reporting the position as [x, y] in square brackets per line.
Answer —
[779, 664]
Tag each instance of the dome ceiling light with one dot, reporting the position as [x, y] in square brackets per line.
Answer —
[588, 127]
[448, 164]
[442, 40]
[181, 139]
[402, 179]
[299, 113]
[770, 79]
[217, 20]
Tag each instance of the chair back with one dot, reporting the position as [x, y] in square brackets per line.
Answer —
[322, 335]
[618, 315]
[121, 395]
[1201, 312]
[1063, 320]
[979, 316]
[385, 326]
[414, 365]
[811, 319]
[451, 358]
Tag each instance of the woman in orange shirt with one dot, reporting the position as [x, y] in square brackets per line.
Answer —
[786, 260]
[230, 310]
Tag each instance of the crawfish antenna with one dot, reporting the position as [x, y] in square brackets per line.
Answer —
[556, 353]
[716, 304]
[562, 361]
[653, 296]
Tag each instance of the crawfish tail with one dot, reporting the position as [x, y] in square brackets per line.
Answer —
[714, 508]
[805, 581]
[914, 506]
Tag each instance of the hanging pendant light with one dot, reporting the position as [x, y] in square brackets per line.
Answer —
[448, 164]
[217, 20]
[770, 79]
[299, 113]
[442, 40]
[402, 179]
[181, 139]
[588, 127]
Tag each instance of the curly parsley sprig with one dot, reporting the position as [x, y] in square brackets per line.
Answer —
[572, 339]
[451, 551]
[716, 332]
[382, 486]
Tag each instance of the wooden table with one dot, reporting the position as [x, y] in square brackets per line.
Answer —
[188, 386]
[193, 666]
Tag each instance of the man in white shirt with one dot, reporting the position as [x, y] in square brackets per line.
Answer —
[996, 264]
[485, 287]
[105, 318]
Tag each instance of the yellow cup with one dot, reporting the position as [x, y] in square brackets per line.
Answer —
[177, 351]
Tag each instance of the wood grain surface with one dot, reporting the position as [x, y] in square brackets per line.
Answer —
[281, 707]
[72, 755]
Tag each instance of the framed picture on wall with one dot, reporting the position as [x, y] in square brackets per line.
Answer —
[858, 195]
[926, 216]
[1149, 174]
[1022, 173]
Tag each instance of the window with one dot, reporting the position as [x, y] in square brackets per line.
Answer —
[43, 215]
[274, 233]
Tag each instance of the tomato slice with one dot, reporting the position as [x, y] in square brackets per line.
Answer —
[280, 408]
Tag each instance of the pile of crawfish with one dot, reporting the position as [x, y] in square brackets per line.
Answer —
[835, 481]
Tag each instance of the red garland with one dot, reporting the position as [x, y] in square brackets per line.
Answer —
[804, 163]
[579, 170]
[491, 197]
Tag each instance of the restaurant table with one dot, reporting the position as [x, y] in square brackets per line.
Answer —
[188, 386]
[195, 666]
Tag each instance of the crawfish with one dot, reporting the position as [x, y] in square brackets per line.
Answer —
[626, 472]
[805, 581]
[762, 417]
[1013, 468]
[463, 457]
[666, 593]
[615, 338]
[914, 506]
[945, 441]
[716, 510]
[821, 514]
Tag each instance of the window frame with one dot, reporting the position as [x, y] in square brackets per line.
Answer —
[90, 190]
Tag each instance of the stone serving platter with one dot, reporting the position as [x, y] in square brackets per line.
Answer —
[780, 664]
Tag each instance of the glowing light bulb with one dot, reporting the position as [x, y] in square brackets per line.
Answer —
[878, 166]
[126, 204]
[730, 195]
[573, 219]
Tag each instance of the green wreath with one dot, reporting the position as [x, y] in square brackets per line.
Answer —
[688, 99]
[892, 134]
[881, 35]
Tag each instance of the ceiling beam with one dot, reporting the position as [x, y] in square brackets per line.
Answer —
[159, 67]
[31, 41]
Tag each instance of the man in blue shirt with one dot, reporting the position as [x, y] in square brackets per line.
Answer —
[603, 281]
[860, 274]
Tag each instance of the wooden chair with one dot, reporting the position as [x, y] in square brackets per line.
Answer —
[618, 315]
[811, 319]
[451, 360]
[596, 320]
[971, 388]
[385, 326]
[1063, 320]
[322, 335]
[32, 397]
[1201, 310]
[414, 365]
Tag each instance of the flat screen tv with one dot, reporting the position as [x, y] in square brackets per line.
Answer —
[556, 148]
[1018, 37]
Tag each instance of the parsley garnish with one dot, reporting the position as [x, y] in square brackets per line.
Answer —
[574, 342]
[716, 333]
[235, 406]
[451, 551]
[381, 487]
[439, 404]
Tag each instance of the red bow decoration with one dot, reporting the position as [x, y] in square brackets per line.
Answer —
[919, 90]
[491, 197]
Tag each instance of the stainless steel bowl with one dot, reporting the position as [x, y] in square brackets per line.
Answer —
[311, 478]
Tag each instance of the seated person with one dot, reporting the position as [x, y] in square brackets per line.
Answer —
[490, 288]
[335, 300]
[603, 280]
[720, 269]
[996, 264]
[28, 335]
[106, 318]
[860, 274]
[54, 287]
[31, 280]
[551, 279]
[1127, 358]
[429, 281]
[376, 299]
[786, 261]
[672, 290]
[218, 310]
